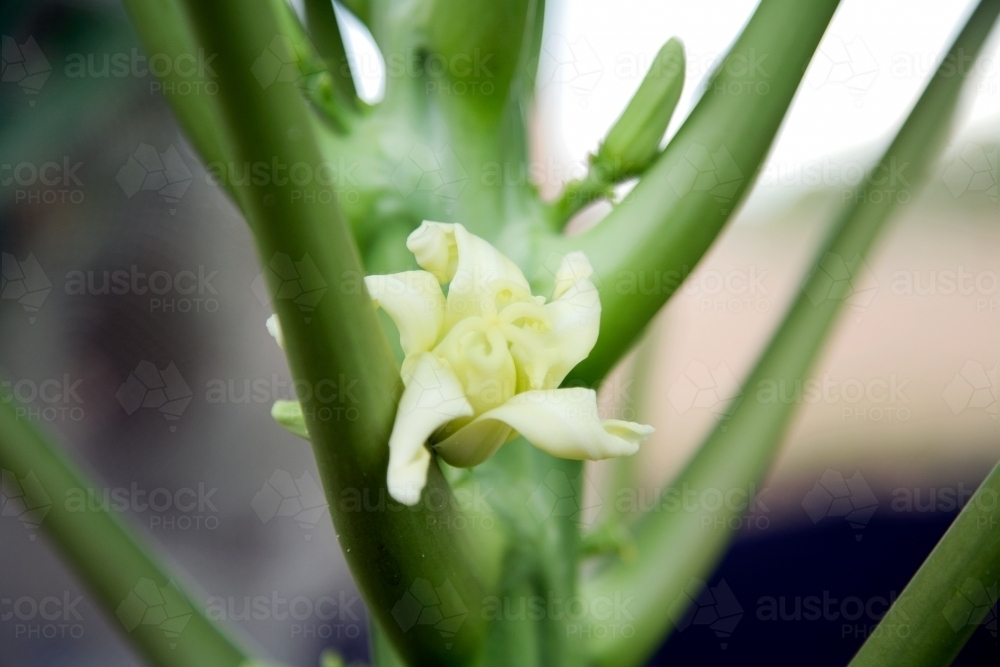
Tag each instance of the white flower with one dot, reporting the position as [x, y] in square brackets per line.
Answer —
[485, 362]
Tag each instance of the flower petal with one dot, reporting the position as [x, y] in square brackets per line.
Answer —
[572, 322]
[481, 361]
[564, 423]
[288, 414]
[573, 268]
[415, 302]
[273, 325]
[477, 271]
[434, 246]
[432, 397]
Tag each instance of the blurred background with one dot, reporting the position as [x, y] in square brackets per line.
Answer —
[130, 326]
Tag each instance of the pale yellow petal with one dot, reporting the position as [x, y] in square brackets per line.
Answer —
[480, 276]
[415, 302]
[479, 357]
[560, 334]
[432, 397]
[434, 246]
[573, 268]
[565, 423]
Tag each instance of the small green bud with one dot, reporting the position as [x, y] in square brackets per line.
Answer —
[634, 140]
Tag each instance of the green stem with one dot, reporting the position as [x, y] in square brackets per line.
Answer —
[335, 339]
[679, 547]
[667, 223]
[949, 595]
[575, 196]
[108, 557]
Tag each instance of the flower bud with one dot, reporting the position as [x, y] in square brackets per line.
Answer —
[634, 140]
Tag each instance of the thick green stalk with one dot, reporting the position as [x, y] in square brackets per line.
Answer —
[334, 341]
[665, 225]
[479, 43]
[949, 595]
[678, 546]
[108, 557]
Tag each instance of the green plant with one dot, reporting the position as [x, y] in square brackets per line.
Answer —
[314, 117]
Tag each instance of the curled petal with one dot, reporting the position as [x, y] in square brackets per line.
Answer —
[288, 414]
[433, 396]
[568, 329]
[480, 275]
[414, 301]
[434, 246]
[564, 423]
[482, 362]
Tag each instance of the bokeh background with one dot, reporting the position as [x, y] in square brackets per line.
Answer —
[880, 459]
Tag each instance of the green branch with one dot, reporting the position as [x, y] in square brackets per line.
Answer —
[333, 338]
[679, 547]
[108, 557]
[949, 595]
[667, 223]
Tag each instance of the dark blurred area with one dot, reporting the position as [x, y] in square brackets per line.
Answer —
[128, 275]
[119, 281]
